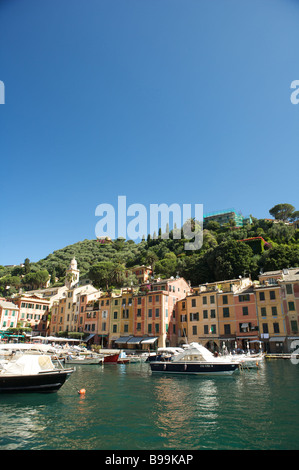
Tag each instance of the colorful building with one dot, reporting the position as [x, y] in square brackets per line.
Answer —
[290, 300]
[33, 312]
[227, 216]
[272, 328]
[9, 313]
[142, 273]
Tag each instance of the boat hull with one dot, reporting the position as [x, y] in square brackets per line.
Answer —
[42, 382]
[84, 361]
[194, 368]
[111, 358]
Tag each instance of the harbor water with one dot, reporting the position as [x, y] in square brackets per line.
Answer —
[126, 407]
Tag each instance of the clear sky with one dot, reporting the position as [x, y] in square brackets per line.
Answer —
[163, 101]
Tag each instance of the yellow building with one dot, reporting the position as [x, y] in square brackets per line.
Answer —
[270, 316]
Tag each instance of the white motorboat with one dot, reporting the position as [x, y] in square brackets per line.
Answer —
[32, 373]
[198, 360]
[84, 358]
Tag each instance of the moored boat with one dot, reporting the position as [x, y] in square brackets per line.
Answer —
[84, 359]
[32, 373]
[123, 358]
[195, 360]
[111, 358]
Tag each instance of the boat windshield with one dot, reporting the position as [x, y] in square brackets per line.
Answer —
[195, 352]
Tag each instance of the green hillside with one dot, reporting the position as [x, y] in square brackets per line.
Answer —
[225, 254]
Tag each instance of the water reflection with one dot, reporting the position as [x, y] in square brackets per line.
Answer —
[187, 408]
[126, 407]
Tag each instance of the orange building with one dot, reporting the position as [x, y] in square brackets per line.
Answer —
[246, 318]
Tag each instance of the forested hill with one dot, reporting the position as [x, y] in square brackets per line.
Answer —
[227, 253]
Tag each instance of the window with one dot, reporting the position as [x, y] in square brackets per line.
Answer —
[139, 312]
[114, 328]
[205, 314]
[225, 301]
[206, 329]
[116, 302]
[194, 316]
[213, 313]
[193, 303]
[150, 313]
[291, 306]
[276, 327]
[213, 329]
[150, 298]
[138, 327]
[265, 328]
[157, 312]
[204, 300]
[262, 295]
[212, 299]
[263, 312]
[183, 318]
[149, 328]
[225, 312]
[274, 311]
[289, 288]
[126, 328]
[245, 310]
[157, 327]
[244, 298]
[126, 313]
[139, 301]
[194, 330]
[115, 315]
[272, 294]
[294, 326]
[157, 298]
[227, 329]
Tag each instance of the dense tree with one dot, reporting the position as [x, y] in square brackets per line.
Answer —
[101, 274]
[282, 211]
[223, 255]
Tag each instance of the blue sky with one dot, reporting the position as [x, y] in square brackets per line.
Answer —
[163, 101]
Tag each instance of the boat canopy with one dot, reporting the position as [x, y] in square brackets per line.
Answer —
[196, 349]
[26, 347]
[28, 365]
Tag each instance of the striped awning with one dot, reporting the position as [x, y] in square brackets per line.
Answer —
[149, 340]
[123, 339]
[136, 339]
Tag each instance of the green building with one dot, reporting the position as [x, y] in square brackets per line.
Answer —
[225, 216]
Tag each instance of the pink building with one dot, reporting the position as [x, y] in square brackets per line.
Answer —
[9, 314]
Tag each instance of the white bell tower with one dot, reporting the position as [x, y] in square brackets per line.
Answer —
[72, 274]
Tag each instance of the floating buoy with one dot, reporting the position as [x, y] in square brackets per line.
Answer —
[82, 391]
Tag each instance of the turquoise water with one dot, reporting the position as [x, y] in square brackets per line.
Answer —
[127, 408]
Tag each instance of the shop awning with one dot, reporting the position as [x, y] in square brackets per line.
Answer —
[149, 340]
[135, 339]
[123, 339]
[88, 338]
[278, 339]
